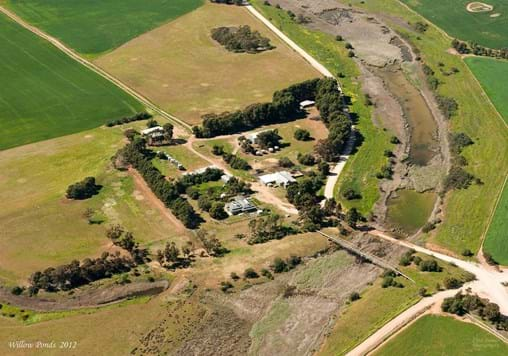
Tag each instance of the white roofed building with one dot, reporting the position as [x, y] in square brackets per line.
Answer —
[281, 179]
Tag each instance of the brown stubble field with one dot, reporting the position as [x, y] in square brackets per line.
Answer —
[183, 70]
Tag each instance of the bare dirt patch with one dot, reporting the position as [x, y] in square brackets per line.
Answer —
[477, 6]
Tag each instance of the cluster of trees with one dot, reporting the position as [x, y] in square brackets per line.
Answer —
[461, 304]
[211, 244]
[447, 105]
[279, 265]
[423, 265]
[169, 193]
[390, 281]
[306, 159]
[124, 120]
[268, 139]
[241, 39]
[268, 228]
[330, 103]
[76, 274]
[458, 177]
[233, 160]
[285, 162]
[478, 50]
[285, 105]
[170, 256]
[125, 239]
[83, 190]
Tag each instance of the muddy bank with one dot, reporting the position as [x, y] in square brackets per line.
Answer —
[393, 78]
[85, 299]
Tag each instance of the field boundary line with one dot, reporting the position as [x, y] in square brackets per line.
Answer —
[78, 58]
[493, 212]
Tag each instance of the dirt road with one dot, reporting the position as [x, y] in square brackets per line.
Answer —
[74, 55]
[263, 193]
[140, 185]
[318, 66]
[398, 322]
[488, 283]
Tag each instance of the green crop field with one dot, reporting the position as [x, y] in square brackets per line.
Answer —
[434, 335]
[496, 240]
[493, 76]
[485, 28]
[96, 26]
[46, 94]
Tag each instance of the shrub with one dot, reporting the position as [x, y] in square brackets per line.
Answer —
[306, 159]
[217, 211]
[429, 266]
[351, 194]
[279, 265]
[285, 162]
[452, 283]
[302, 135]
[458, 178]
[354, 296]
[225, 286]
[250, 273]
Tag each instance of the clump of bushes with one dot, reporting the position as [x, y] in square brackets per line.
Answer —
[241, 39]
[302, 135]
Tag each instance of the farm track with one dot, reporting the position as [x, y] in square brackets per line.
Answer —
[74, 55]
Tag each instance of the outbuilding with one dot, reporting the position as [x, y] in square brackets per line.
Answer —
[280, 179]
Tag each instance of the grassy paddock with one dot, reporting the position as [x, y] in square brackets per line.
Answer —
[466, 211]
[379, 305]
[96, 26]
[435, 335]
[361, 168]
[493, 76]
[182, 69]
[452, 16]
[45, 94]
[36, 222]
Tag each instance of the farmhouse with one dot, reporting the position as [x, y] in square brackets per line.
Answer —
[239, 205]
[281, 179]
[307, 104]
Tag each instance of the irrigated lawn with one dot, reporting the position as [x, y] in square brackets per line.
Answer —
[96, 26]
[466, 211]
[45, 94]
[183, 70]
[379, 305]
[452, 16]
[361, 168]
[41, 228]
[434, 335]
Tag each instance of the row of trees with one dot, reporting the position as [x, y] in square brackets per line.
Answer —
[169, 193]
[76, 274]
[478, 50]
[241, 39]
[285, 106]
[124, 120]
[330, 103]
[461, 304]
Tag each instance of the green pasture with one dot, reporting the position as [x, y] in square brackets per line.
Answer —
[484, 28]
[46, 94]
[493, 76]
[93, 27]
[434, 335]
